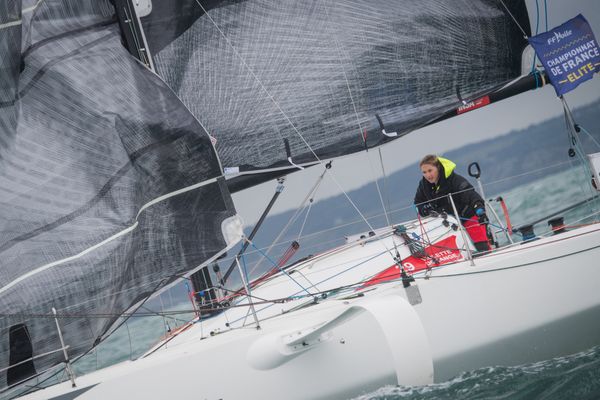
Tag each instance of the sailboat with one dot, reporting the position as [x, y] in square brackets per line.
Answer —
[126, 125]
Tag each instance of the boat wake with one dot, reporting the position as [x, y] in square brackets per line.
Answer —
[574, 376]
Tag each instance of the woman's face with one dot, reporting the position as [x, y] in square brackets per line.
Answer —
[430, 173]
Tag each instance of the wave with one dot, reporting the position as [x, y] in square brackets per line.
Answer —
[575, 376]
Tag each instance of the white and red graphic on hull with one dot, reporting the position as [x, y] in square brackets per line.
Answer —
[439, 253]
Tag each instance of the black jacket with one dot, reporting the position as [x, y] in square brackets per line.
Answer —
[466, 199]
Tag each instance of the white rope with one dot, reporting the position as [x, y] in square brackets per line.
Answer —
[575, 141]
[305, 218]
[514, 19]
[590, 136]
[283, 113]
[293, 219]
[360, 128]
[162, 310]
[385, 180]
[528, 173]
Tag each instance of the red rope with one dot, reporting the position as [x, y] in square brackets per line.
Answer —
[288, 254]
[421, 225]
[506, 216]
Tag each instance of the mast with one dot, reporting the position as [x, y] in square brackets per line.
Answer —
[128, 14]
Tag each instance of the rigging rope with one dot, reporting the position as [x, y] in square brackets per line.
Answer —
[276, 242]
[385, 188]
[299, 210]
[546, 14]
[575, 141]
[537, 25]
[360, 128]
[263, 301]
[279, 268]
[514, 19]
[310, 203]
[590, 136]
[129, 336]
[286, 117]
[278, 300]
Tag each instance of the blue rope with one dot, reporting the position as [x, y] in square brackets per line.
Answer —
[546, 14]
[537, 24]
[354, 266]
[279, 268]
[245, 272]
[537, 16]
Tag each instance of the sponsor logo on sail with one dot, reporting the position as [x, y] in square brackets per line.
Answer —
[472, 105]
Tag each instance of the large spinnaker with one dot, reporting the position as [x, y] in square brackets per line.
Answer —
[257, 72]
[109, 187]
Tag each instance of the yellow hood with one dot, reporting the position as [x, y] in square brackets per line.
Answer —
[448, 166]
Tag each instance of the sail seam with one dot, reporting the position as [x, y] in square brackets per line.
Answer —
[107, 186]
[105, 241]
[64, 260]
[73, 32]
[42, 71]
[11, 23]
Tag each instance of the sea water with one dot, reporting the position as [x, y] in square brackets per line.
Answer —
[572, 377]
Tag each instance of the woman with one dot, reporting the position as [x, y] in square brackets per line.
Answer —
[439, 180]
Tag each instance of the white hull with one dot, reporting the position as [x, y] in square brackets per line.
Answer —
[522, 304]
[519, 306]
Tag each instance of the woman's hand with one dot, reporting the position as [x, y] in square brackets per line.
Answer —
[481, 215]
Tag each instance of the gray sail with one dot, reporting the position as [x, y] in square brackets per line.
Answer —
[109, 187]
[316, 72]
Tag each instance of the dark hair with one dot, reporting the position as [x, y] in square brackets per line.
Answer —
[431, 159]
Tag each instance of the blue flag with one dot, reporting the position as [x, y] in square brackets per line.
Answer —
[569, 53]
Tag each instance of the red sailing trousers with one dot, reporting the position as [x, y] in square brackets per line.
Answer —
[476, 230]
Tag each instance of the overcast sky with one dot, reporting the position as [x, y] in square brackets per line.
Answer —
[497, 119]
